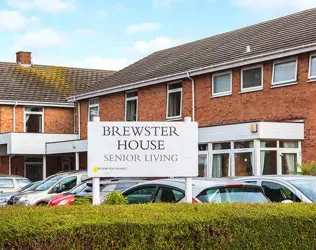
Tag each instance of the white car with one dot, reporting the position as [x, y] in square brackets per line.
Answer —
[285, 188]
[12, 183]
[203, 191]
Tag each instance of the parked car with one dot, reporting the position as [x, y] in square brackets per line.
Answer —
[85, 190]
[51, 187]
[203, 190]
[4, 198]
[286, 188]
[12, 183]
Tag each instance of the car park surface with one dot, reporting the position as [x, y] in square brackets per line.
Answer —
[203, 191]
[51, 187]
[12, 183]
[286, 188]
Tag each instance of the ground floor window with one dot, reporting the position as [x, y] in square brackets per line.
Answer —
[246, 158]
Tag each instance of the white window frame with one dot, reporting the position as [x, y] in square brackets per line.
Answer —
[127, 99]
[33, 113]
[294, 80]
[226, 93]
[173, 91]
[93, 106]
[250, 89]
[310, 77]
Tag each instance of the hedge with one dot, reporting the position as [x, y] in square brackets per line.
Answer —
[160, 226]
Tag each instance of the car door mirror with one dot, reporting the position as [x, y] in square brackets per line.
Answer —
[58, 190]
[287, 201]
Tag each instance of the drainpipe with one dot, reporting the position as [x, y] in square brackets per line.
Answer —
[10, 167]
[78, 115]
[193, 96]
[16, 103]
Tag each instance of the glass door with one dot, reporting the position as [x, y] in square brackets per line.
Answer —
[34, 171]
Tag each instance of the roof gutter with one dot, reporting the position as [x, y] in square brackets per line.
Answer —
[199, 71]
[43, 104]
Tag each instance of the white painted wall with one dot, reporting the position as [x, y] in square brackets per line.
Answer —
[67, 147]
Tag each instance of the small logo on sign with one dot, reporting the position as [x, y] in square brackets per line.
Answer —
[95, 169]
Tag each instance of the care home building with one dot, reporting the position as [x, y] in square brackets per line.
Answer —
[252, 92]
[34, 111]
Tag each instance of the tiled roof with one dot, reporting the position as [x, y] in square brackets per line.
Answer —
[42, 83]
[278, 34]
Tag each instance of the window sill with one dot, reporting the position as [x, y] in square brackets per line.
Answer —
[279, 85]
[221, 95]
[250, 90]
[312, 80]
[178, 118]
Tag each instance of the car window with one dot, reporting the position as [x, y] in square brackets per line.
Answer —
[243, 194]
[48, 183]
[22, 182]
[66, 184]
[108, 188]
[307, 187]
[84, 177]
[6, 183]
[31, 186]
[169, 195]
[277, 192]
[251, 182]
[140, 195]
[124, 185]
[78, 189]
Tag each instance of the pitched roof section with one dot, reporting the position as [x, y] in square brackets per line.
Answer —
[40, 83]
[278, 34]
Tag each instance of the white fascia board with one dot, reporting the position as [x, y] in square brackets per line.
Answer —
[42, 104]
[63, 147]
[194, 72]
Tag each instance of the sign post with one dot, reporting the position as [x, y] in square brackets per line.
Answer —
[142, 149]
[96, 180]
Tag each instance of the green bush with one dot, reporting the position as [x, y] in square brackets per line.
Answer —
[83, 201]
[160, 226]
[115, 198]
[307, 168]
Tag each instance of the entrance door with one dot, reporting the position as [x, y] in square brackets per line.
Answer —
[34, 171]
[66, 166]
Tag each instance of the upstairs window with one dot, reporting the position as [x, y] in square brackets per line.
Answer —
[174, 100]
[34, 122]
[222, 84]
[252, 78]
[312, 67]
[131, 103]
[284, 72]
[93, 109]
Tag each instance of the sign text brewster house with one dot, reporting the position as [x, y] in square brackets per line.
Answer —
[142, 149]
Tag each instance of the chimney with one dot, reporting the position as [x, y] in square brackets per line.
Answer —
[24, 57]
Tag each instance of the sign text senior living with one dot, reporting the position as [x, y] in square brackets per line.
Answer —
[142, 149]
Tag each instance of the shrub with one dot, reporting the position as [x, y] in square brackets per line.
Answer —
[115, 198]
[83, 201]
[160, 226]
[307, 168]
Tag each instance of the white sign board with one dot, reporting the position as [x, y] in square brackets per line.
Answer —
[142, 149]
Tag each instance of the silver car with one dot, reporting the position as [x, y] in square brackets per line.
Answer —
[203, 191]
[286, 188]
[51, 187]
[12, 183]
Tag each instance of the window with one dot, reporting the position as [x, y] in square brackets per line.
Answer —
[93, 109]
[222, 84]
[277, 193]
[6, 183]
[221, 165]
[22, 182]
[34, 168]
[34, 122]
[65, 184]
[219, 146]
[168, 195]
[124, 185]
[312, 67]
[268, 144]
[174, 100]
[131, 103]
[252, 79]
[243, 144]
[268, 161]
[284, 72]
[141, 195]
[243, 164]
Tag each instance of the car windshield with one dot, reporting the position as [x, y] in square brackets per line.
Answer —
[307, 187]
[243, 194]
[78, 188]
[22, 182]
[48, 183]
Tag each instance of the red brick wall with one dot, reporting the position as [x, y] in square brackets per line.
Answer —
[56, 120]
[270, 104]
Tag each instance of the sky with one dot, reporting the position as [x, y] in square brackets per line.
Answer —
[111, 34]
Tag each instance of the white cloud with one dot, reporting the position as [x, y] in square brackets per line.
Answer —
[158, 3]
[142, 27]
[14, 20]
[40, 39]
[276, 4]
[159, 43]
[44, 5]
[96, 62]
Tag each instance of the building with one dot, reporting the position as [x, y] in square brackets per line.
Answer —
[34, 111]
